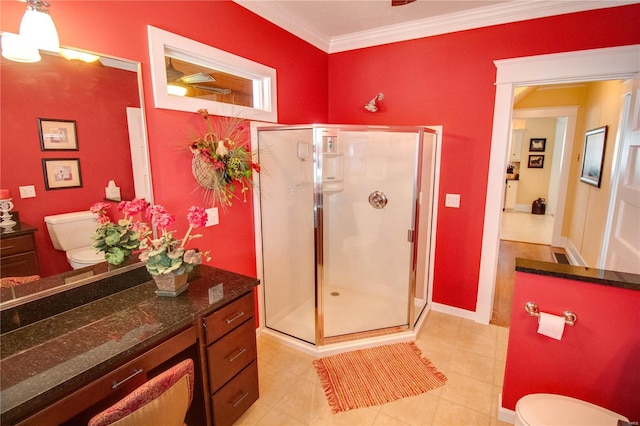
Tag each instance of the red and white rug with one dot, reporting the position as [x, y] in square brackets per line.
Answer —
[375, 376]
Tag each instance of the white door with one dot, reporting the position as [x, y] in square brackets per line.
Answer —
[623, 248]
[139, 155]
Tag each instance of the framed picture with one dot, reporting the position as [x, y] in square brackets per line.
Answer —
[593, 156]
[537, 144]
[60, 173]
[536, 161]
[57, 135]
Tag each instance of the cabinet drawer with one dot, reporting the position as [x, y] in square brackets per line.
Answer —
[19, 265]
[14, 245]
[231, 316]
[230, 402]
[231, 354]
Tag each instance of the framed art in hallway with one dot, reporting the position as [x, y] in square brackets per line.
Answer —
[593, 156]
[537, 144]
[536, 162]
[61, 173]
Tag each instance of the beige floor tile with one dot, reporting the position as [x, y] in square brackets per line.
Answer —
[274, 383]
[480, 344]
[414, 410]
[357, 417]
[468, 392]
[277, 417]
[253, 415]
[384, 420]
[498, 373]
[449, 413]
[473, 365]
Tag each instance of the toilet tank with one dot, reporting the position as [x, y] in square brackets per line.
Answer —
[71, 230]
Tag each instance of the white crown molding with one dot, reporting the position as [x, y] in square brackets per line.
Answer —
[491, 15]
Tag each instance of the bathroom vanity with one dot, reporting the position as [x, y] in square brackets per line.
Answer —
[67, 367]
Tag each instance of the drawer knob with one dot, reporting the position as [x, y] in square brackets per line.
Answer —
[132, 375]
[244, 395]
[235, 317]
[239, 353]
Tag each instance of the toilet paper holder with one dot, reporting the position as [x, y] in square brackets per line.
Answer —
[570, 318]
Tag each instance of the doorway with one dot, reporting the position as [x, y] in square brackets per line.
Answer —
[590, 65]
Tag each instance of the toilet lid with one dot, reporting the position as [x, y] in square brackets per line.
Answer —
[550, 409]
[85, 255]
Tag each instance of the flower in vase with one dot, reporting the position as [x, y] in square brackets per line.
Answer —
[117, 240]
[166, 254]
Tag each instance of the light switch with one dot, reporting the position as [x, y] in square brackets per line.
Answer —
[28, 191]
[452, 200]
[212, 216]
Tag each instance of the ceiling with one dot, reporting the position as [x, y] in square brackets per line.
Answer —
[340, 25]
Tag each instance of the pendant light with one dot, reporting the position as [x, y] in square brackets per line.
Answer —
[38, 27]
[16, 48]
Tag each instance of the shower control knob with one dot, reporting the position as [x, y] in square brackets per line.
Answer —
[378, 200]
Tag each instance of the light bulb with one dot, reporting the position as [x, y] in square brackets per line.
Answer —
[176, 90]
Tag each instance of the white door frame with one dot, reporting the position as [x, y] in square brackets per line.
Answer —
[580, 66]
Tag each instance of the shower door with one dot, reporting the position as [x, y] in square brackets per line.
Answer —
[337, 208]
[368, 209]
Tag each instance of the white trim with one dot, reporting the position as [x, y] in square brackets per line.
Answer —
[502, 13]
[451, 310]
[504, 414]
[434, 212]
[265, 91]
[587, 65]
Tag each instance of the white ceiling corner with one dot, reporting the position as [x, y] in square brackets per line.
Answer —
[313, 27]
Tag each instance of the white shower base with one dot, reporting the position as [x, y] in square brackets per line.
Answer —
[350, 311]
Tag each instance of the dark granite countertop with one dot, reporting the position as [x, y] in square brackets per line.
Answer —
[49, 358]
[20, 228]
[580, 273]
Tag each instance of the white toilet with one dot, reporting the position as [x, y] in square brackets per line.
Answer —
[71, 232]
[549, 409]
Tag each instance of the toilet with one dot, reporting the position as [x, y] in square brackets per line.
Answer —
[549, 409]
[71, 232]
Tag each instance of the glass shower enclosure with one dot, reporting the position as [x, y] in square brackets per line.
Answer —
[339, 209]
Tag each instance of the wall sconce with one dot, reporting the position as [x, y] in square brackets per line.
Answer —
[372, 105]
[37, 31]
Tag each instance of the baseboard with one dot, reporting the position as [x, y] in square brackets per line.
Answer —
[504, 414]
[573, 254]
[450, 310]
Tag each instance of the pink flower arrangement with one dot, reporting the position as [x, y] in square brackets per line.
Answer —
[117, 240]
[167, 254]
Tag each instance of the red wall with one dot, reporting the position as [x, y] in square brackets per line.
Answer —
[120, 29]
[96, 98]
[449, 80]
[597, 360]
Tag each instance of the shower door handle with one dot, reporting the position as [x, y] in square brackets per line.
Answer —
[378, 200]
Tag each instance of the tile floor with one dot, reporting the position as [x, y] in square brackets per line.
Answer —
[526, 227]
[471, 355]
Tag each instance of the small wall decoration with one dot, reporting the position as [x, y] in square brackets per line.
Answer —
[60, 173]
[537, 144]
[57, 135]
[593, 156]
[536, 161]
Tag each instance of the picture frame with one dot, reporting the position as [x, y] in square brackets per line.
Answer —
[593, 156]
[536, 162]
[57, 135]
[61, 173]
[537, 144]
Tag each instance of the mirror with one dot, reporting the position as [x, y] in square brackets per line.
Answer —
[57, 88]
[223, 83]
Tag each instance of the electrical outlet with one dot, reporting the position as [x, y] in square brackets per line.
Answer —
[452, 200]
[28, 191]
[212, 217]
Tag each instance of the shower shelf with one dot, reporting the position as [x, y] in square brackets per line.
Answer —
[332, 172]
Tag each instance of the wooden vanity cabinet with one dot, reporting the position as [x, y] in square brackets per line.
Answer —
[18, 253]
[231, 354]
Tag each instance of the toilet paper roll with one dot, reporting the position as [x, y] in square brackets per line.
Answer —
[551, 325]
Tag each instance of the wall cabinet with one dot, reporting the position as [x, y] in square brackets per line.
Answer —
[516, 145]
[231, 353]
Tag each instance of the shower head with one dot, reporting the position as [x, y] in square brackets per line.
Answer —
[372, 105]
